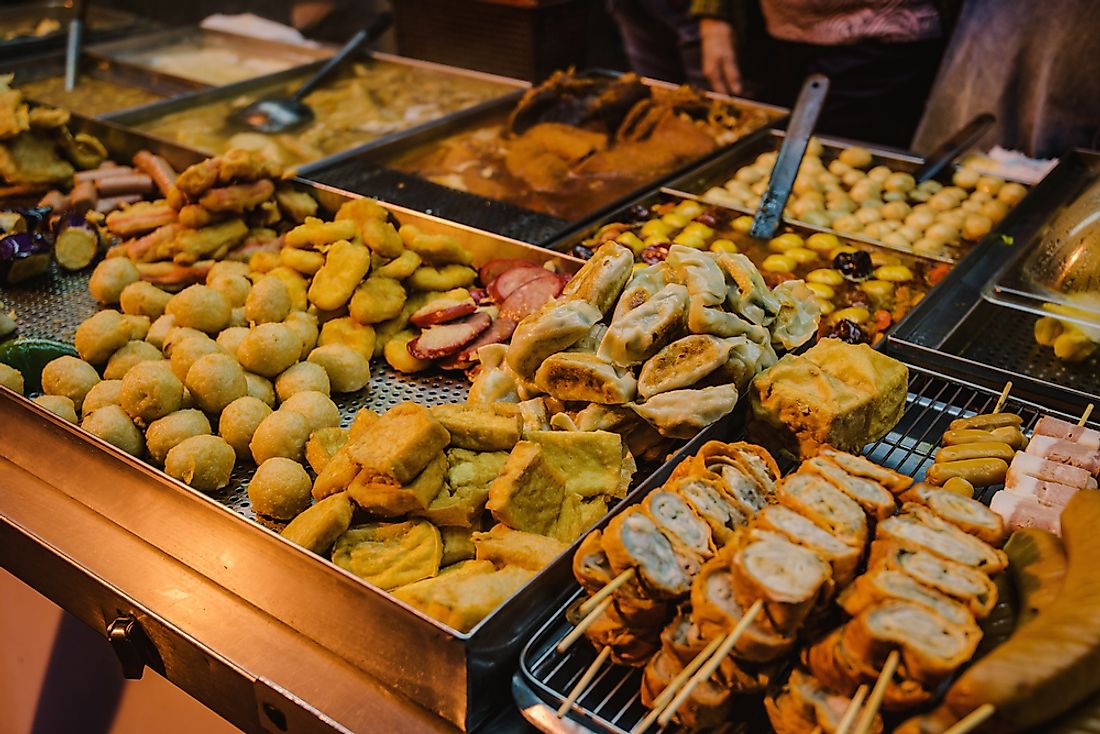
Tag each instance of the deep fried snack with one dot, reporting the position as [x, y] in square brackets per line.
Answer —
[478, 428]
[164, 434]
[413, 438]
[318, 527]
[279, 488]
[529, 491]
[204, 462]
[389, 555]
[115, 427]
[70, 377]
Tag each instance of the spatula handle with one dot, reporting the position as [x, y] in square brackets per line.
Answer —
[380, 25]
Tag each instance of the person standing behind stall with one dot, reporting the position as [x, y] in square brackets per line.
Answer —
[661, 39]
[880, 56]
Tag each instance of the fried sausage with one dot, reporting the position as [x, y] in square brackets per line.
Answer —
[1012, 435]
[986, 421]
[976, 450]
[979, 472]
[1037, 562]
[958, 485]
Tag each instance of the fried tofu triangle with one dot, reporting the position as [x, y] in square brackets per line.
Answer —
[507, 547]
[478, 427]
[529, 491]
[399, 444]
[462, 597]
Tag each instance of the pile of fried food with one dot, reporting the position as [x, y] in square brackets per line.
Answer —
[852, 193]
[726, 532]
[1073, 338]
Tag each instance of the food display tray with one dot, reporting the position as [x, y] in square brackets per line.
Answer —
[364, 172]
[611, 704]
[102, 23]
[978, 329]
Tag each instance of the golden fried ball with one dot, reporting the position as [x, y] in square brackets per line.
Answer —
[11, 378]
[130, 354]
[215, 381]
[347, 369]
[139, 326]
[301, 377]
[279, 489]
[70, 377]
[268, 349]
[166, 433]
[260, 388]
[104, 392]
[144, 299]
[159, 330]
[929, 246]
[1011, 193]
[150, 391]
[317, 408]
[179, 334]
[896, 210]
[230, 339]
[283, 433]
[185, 353]
[856, 157]
[237, 317]
[239, 421]
[966, 178]
[111, 277]
[115, 427]
[976, 226]
[59, 405]
[304, 325]
[996, 209]
[227, 267]
[268, 302]
[204, 462]
[200, 307]
[102, 335]
[235, 288]
[899, 181]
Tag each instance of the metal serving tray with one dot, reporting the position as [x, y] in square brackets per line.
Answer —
[101, 23]
[977, 329]
[611, 703]
[364, 171]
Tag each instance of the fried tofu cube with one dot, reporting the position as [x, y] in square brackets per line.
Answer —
[458, 545]
[383, 499]
[476, 428]
[529, 491]
[318, 527]
[362, 423]
[413, 438]
[590, 461]
[507, 547]
[576, 516]
[389, 555]
[323, 445]
[338, 473]
[463, 496]
[463, 597]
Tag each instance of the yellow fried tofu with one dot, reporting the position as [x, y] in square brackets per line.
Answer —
[590, 461]
[577, 515]
[507, 547]
[323, 445]
[338, 473]
[478, 428]
[318, 527]
[528, 493]
[362, 422]
[462, 499]
[458, 545]
[883, 379]
[465, 596]
[389, 555]
[383, 499]
[412, 438]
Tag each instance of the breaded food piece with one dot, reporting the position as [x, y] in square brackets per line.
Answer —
[458, 544]
[12, 379]
[507, 547]
[437, 249]
[413, 438]
[166, 433]
[463, 597]
[237, 423]
[362, 423]
[577, 515]
[338, 474]
[529, 491]
[279, 488]
[115, 427]
[463, 495]
[884, 379]
[389, 555]
[323, 444]
[70, 377]
[317, 528]
[104, 392]
[59, 405]
[590, 462]
[383, 499]
[204, 462]
[477, 427]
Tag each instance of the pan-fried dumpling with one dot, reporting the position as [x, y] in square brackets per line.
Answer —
[601, 279]
[683, 413]
[682, 363]
[556, 326]
[704, 319]
[750, 296]
[798, 314]
[590, 342]
[495, 383]
[580, 376]
[746, 360]
[699, 271]
[642, 285]
[639, 334]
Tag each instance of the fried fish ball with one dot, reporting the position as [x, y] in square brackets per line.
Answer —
[215, 381]
[301, 377]
[260, 387]
[377, 299]
[130, 354]
[139, 326]
[159, 330]
[269, 349]
[166, 433]
[185, 353]
[296, 286]
[856, 157]
[111, 277]
[966, 178]
[283, 433]
[230, 339]
[304, 324]
[239, 421]
[279, 489]
[150, 391]
[268, 301]
[12, 378]
[235, 288]
[323, 445]
[70, 377]
[315, 407]
[976, 226]
[101, 336]
[349, 332]
[115, 427]
[203, 462]
[227, 268]
[929, 246]
[58, 405]
[144, 299]
[347, 369]
[200, 307]
[1011, 193]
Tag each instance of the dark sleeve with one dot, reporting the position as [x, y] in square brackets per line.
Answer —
[711, 9]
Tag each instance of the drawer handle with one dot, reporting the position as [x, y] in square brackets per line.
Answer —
[129, 642]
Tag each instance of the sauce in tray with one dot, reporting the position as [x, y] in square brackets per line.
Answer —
[92, 96]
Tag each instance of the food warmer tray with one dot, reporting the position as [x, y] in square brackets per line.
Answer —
[611, 702]
[101, 24]
[253, 626]
[362, 171]
[972, 328]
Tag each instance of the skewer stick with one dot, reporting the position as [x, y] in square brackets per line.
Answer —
[1004, 396]
[973, 720]
[1085, 416]
[593, 601]
[583, 626]
[674, 685]
[867, 718]
[853, 709]
[711, 665]
[585, 680]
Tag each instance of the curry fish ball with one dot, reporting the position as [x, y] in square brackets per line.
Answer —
[70, 377]
[965, 178]
[115, 427]
[856, 157]
[58, 405]
[189, 351]
[304, 324]
[150, 391]
[347, 369]
[976, 226]
[942, 231]
[139, 326]
[12, 378]
[235, 288]
[101, 336]
[899, 182]
[200, 307]
[1011, 193]
[237, 317]
[315, 407]
[995, 209]
[239, 421]
[269, 349]
[879, 174]
[301, 377]
[164, 434]
[283, 433]
[990, 184]
[929, 246]
[280, 489]
[130, 354]
[864, 190]
[104, 392]
[215, 381]
[230, 339]
[260, 388]
[144, 299]
[179, 334]
[111, 277]
[896, 210]
[203, 462]
[268, 301]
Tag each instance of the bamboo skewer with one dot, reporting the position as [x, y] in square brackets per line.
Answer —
[874, 702]
[582, 626]
[585, 680]
[711, 665]
[852, 710]
[593, 601]
[674, 685]
[1085, 416]
[973, 720]
[1004, 396]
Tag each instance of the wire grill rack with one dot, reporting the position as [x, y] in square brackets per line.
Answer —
[611, 703]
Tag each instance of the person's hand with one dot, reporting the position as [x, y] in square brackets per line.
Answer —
[719, 59]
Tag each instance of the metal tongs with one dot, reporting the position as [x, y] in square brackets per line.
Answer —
[75, 43]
